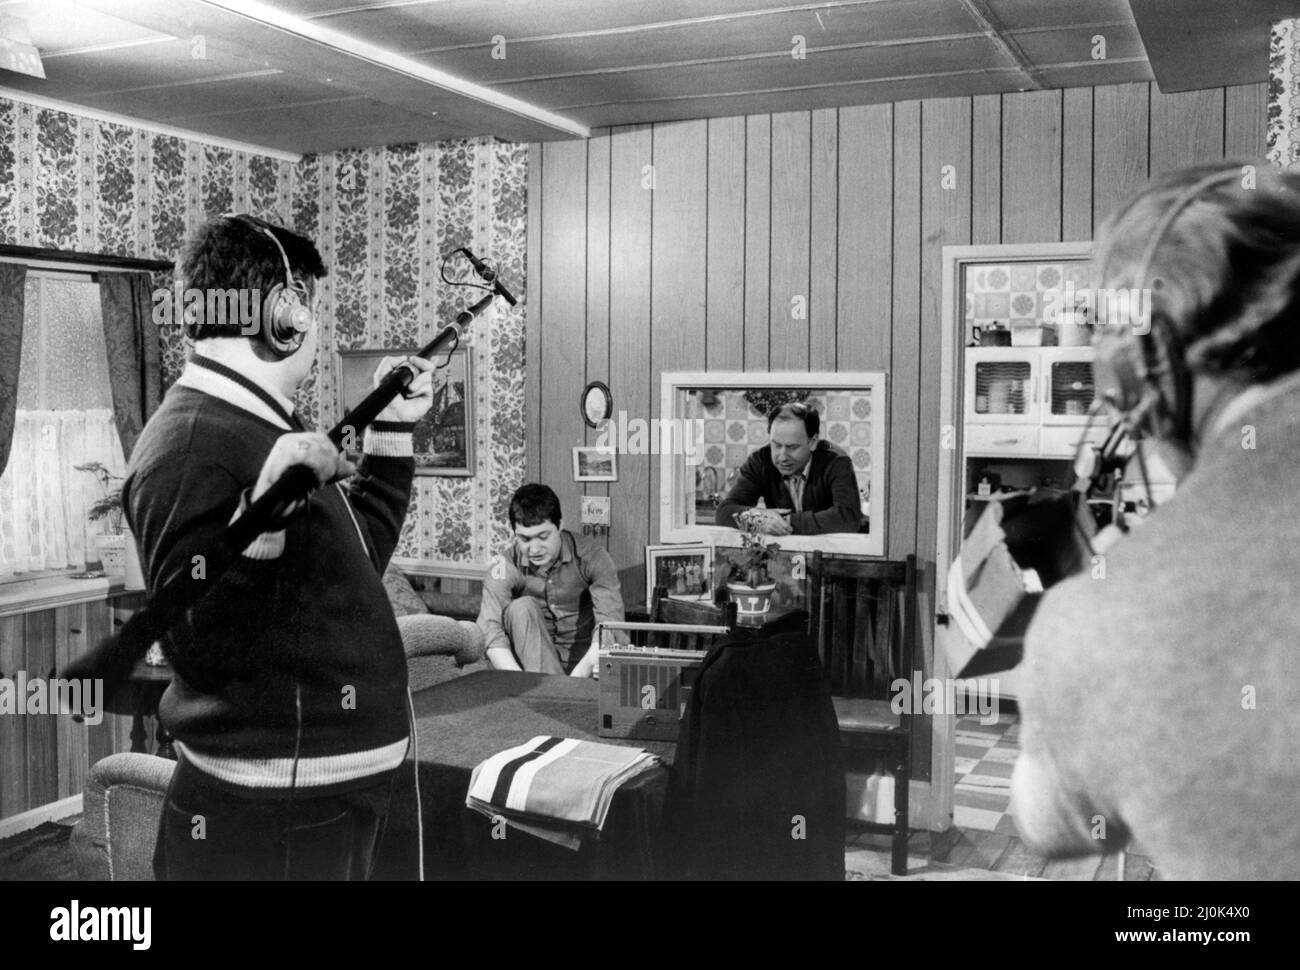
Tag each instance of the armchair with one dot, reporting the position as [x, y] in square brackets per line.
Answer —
[121, 806]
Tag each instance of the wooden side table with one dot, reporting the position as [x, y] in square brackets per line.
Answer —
[140, 700]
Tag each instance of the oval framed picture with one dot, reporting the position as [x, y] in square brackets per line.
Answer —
[596, 404]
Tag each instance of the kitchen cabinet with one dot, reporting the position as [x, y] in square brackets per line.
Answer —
[1029, 402]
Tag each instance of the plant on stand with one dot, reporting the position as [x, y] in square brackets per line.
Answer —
[109, 506]
[744, 575]
[114, 546]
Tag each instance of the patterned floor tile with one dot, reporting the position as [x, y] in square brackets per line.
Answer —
[1005, 754]
[985, 758]
[975, 798]
[973, 722]
[975, 818]
[995, 768]
[1007, 826]
[984, 782]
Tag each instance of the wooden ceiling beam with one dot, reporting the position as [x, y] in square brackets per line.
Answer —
[1197, 44]
[258, 32]
[1002, 39]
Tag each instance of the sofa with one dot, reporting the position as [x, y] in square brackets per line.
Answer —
[442, 644]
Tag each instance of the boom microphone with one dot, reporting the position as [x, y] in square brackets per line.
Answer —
[488, 275]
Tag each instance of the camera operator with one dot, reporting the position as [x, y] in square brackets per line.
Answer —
[1161, 703]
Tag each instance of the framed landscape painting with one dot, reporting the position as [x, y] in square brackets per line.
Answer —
[444, 442]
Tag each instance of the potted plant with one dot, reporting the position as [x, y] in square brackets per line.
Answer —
[114, 546]
[744, 575]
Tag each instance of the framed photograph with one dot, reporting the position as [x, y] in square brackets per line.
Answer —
[686, 571]
[444, 437]
[595, 463]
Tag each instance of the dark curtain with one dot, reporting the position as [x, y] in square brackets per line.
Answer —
[134, 354]
[13, 279]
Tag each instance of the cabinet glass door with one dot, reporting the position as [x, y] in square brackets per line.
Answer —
[1001, 386]
[1069, 387]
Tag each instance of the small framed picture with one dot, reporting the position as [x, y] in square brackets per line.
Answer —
[595, 463]
[686, 571]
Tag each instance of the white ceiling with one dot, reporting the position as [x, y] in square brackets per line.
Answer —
[366, 73]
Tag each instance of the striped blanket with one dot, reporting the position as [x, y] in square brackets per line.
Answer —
[558, 789]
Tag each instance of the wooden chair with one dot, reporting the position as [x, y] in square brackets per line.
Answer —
[863, 619]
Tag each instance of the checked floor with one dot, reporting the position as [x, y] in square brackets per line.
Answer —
[983, 843]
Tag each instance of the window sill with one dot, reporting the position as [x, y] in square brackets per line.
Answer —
[52, 592]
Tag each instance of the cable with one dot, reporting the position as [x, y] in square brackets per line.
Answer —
[293, 780]
[297, 704]
[442, 271]
[1146, 477]
[455, 344]
[1093, 411]
[415, 762]
[1117, 502]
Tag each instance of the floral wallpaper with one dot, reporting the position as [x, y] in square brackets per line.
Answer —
[1284, 95]
[71, 182]
[381, 217]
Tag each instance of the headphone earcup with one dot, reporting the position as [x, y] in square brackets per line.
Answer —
[287, 322]
[1145, 379]
[1170, 379]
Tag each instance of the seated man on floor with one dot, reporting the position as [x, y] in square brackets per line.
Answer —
[544, 595]
[799, 472]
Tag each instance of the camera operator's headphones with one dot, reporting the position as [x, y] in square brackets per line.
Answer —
[1147, 381]
[285, 315]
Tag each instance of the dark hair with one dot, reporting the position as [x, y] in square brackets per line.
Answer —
[1226, 273]
[232, 252]
[798, 411]
[533, 504]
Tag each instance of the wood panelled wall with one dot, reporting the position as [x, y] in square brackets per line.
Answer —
[681, 246]
[45, 757]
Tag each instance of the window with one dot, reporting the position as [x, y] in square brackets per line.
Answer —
[64, 418]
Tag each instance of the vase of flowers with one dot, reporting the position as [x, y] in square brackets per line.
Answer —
[745, 575]
[115, 545]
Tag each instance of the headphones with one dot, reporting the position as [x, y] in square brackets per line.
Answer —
[1147, 381]
[285, 316]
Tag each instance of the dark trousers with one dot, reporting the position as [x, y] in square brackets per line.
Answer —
[208, 831]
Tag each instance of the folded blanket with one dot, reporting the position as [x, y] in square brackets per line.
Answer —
[558, 789]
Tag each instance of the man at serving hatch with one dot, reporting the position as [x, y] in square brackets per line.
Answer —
[798, 472]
